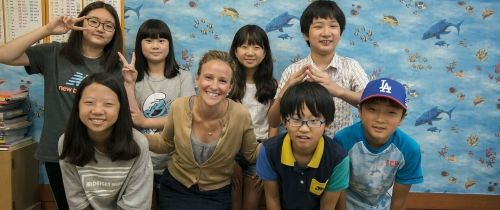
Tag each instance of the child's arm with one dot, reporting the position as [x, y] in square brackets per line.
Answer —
[73, 188]
[151, 123]
[335, 90]
[341, 203]
[273, 115]
[272, 195]
[399, 195]
[328, 200]
[14, 52]
[272, 132]
[138, 187]
[164, 143]
[270, 180]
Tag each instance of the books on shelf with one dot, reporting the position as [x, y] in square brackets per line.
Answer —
[9, 114]
[17, 144]
[14, 122]
[11, 105]
[12, 96]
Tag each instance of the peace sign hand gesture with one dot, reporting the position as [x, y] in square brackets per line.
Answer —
[63, 24]
[129, 72]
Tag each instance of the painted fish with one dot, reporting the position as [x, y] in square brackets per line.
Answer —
[231, 12]
[136, 10]
[278, 23]
[470, 183]
[391, 20]
[441, 43]
[452, 180]
[432, 115]
[487, 13]
[439, 28]
[472, 140]
[434, 129]
[481, 55]
[477, 100]
[285, 36]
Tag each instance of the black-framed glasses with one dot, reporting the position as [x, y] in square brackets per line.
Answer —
[94, 22]
[294, 122]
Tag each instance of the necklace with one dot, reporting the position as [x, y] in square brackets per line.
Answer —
[211, 132]
[210, 128]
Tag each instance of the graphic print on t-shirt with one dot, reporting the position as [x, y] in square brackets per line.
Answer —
[102, 181]
[155, 105]
[72, 83]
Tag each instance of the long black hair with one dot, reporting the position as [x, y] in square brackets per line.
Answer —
[109, 59]
[154, 29]
[263, 76]
[78, 148]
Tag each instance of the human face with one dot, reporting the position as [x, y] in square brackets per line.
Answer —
[380, 119]
[155, 50]
[99, 108]
[214, 81]
[305, 138]
[250, 56]
[324, 35]
[98, 36]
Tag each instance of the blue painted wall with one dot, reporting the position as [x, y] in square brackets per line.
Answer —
[459, 71]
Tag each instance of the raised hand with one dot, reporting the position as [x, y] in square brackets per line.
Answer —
[63, 24]
[129, 72]
[296, 77]
[326, 81]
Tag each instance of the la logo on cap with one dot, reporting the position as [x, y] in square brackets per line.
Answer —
[384, 87]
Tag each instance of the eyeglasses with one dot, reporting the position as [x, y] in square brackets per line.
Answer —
[94, 22]
[294, 122]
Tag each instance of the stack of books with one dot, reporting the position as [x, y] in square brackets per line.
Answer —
[14, 122]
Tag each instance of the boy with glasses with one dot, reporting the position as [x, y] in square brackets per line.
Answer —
[303, 168]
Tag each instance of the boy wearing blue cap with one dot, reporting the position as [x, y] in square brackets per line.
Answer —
[382, 156]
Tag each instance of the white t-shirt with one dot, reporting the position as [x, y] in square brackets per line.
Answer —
[257, 110]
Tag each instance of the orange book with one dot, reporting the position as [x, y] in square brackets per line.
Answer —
[8, 96]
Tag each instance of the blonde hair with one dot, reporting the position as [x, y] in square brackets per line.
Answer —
[217, 55]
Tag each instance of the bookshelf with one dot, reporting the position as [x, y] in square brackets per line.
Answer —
[19, 178]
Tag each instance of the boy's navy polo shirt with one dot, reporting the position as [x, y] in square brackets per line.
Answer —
[301, 188]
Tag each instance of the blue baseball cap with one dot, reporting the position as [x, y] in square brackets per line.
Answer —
[385, 88]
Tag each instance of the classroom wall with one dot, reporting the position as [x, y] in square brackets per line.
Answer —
[459, 73]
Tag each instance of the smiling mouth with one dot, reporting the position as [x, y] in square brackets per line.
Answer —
[97, 121]
[212, 94]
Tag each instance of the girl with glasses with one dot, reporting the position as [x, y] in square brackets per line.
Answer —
[88, 50]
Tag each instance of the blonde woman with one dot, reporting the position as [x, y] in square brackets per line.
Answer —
[209, 130]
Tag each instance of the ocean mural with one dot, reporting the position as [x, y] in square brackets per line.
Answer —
[445, 52]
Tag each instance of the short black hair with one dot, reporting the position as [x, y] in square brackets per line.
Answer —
[311, 94]
[78, 148]
[382, 100]
[321, 9]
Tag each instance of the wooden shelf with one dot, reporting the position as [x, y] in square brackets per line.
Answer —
[19, 178]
